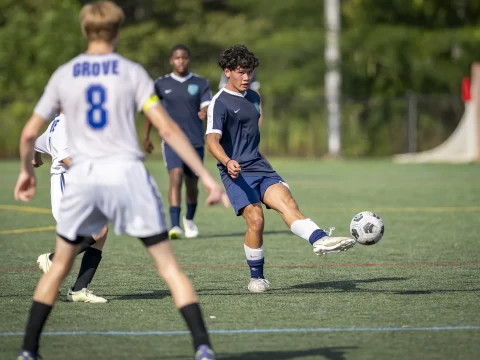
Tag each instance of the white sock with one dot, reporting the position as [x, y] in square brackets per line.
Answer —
[305, 228]
[253, 254]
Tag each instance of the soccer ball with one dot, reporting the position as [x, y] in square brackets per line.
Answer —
[367, 228]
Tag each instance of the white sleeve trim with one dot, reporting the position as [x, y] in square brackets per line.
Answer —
[205, 104]
[214, 131]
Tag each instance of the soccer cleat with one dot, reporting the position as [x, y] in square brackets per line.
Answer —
[175, 233]
[85, 296]
[191, 229]
[44, 263]
[330, 244]
[258, 285]
[27, 355]
[205, 352]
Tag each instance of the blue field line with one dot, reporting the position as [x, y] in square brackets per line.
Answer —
[250, 331]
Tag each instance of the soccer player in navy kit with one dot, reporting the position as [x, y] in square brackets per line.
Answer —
[254, 85]
[186, 97]
[233, 138]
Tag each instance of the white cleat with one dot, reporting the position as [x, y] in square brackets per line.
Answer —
[85, 296]
[191, 229]
[44, 263]
[175, 233]
[330, 244]
[258, 285]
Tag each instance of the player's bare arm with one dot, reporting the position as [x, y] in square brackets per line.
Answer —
[174, 136]
[26, 183]
[213, 144]
[202, 114]
[147, 143]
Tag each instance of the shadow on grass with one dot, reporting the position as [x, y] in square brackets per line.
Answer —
[242, 234]
[346, 285]
[330, 353]
[351, 286]
[153, 295]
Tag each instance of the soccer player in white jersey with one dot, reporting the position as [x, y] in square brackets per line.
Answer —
[54, 143]
[100, 91]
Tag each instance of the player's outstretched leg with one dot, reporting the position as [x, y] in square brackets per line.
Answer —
[174, 198]
[279, 198]
[79, 292]
[253, 246]
[182, 291]
[189, 226]
[45, 295]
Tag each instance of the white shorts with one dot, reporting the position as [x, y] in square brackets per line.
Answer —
[57, 187]
[121, 192]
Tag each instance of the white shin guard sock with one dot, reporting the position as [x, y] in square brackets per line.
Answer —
[304, 228]
[253, 254]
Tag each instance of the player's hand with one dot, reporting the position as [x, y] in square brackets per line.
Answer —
[147, 145]
[37, 163]
[25, 188]
[215, 191]
[202, 114]
[233, 168]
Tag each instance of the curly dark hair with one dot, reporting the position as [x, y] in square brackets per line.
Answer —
[237, 55]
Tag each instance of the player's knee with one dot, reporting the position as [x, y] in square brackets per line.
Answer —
[169, 272]
[255, 221]
[176, 176]
[288, 205]
[60, 268]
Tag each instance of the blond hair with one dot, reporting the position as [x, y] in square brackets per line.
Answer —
[101, 20]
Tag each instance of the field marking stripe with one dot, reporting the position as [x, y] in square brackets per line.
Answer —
[25, 209]
[296, 266]
[27, 230]
[249, 331]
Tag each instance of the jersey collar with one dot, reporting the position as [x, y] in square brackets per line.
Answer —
[235, 93]
[179, 78]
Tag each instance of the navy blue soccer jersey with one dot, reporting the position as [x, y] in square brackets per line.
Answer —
[235, 117]
[183, 97]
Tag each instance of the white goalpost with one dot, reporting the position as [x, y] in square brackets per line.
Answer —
[463, 146]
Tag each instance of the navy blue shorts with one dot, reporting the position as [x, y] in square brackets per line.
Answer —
[173, 161]
[246, 190]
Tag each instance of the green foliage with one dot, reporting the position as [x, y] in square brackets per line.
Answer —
[387, 50]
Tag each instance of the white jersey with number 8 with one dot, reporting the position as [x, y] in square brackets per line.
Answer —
[100, 95]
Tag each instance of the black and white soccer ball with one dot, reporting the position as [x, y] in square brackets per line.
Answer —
[367, 228]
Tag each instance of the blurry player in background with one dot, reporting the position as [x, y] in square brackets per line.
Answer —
[101, 91]
[233, 138]
[54, 143]
[185, 96]
[254, 85]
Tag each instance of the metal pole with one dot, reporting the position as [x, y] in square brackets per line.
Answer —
[333, 78]
[412, 122]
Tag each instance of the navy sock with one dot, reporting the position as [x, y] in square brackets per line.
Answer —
[191, 208]
[175, 215]
[317, 235]
[256, 268]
